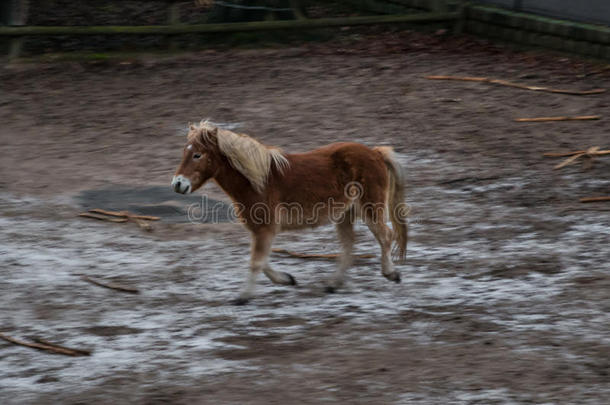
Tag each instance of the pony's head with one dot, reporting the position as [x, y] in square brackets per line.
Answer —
[199, 159]
[209, 148]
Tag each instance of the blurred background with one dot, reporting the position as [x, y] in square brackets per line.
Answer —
[497, 110]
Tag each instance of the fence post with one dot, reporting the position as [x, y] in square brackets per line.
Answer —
[518, 5]
[297, 10]
[5, 12]
[173, 18]
[16, 14]
[461, 22]
[438, 5]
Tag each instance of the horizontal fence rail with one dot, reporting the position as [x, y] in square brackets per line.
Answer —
[178, 29]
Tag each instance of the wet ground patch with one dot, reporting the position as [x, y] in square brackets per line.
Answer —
[157, 201]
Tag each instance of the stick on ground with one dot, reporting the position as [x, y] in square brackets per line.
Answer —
[142, 224]
[580, 209]
[82, 352]
[563, 118]
[594, 199]
[124, 214]
[563, 154]
[318, 255]
[39, 346]
[102, 217]
[576, 152]
[517, 85]
[112, 286]
[569, 161]
[590, 153]
[121, 216]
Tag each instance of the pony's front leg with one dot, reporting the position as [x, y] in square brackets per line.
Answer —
[261, 245]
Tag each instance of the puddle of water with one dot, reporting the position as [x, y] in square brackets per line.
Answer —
[158, 201]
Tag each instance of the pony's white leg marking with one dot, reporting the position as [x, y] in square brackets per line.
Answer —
[345, 229]
[261, 245]
[248, 290]
[383, 234]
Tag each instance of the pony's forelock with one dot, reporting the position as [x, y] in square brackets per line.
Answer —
[202, 133]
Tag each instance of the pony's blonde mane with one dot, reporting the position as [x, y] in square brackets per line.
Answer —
[248, 156]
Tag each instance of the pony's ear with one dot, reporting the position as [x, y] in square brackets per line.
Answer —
[192, 126]
[213, 132]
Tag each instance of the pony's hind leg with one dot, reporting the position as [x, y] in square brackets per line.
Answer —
[383, 234]
[345, 229]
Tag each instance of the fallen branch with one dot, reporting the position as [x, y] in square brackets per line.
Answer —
[469, 179]
[569, 161]
[112, 286]
[82, 352]
[597, 208]
[102, 217]
[577, 152]
[517, 85]
[547, 119]
[142, 224]
[124, 214]
[318, 255]
[40, 346]
[121, 216]
[590, 153]
[594, 199]
[563, 154]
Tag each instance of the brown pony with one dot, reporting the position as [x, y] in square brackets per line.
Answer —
[273, 191]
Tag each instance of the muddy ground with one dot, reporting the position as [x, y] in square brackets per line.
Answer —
[505, 294]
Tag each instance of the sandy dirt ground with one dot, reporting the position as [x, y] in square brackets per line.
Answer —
[505, 293]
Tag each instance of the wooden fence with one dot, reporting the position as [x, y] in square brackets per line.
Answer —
[429, 11]
[589, 11]
[468, 16]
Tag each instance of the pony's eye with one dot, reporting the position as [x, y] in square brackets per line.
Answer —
[196, 155]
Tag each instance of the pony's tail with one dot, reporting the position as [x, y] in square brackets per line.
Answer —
[398, 208]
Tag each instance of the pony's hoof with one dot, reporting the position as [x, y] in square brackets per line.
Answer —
[330, 289]
[395, 277]
[292, 281]
[240, 301]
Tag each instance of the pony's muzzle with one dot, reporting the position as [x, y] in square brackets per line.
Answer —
[181, 184]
